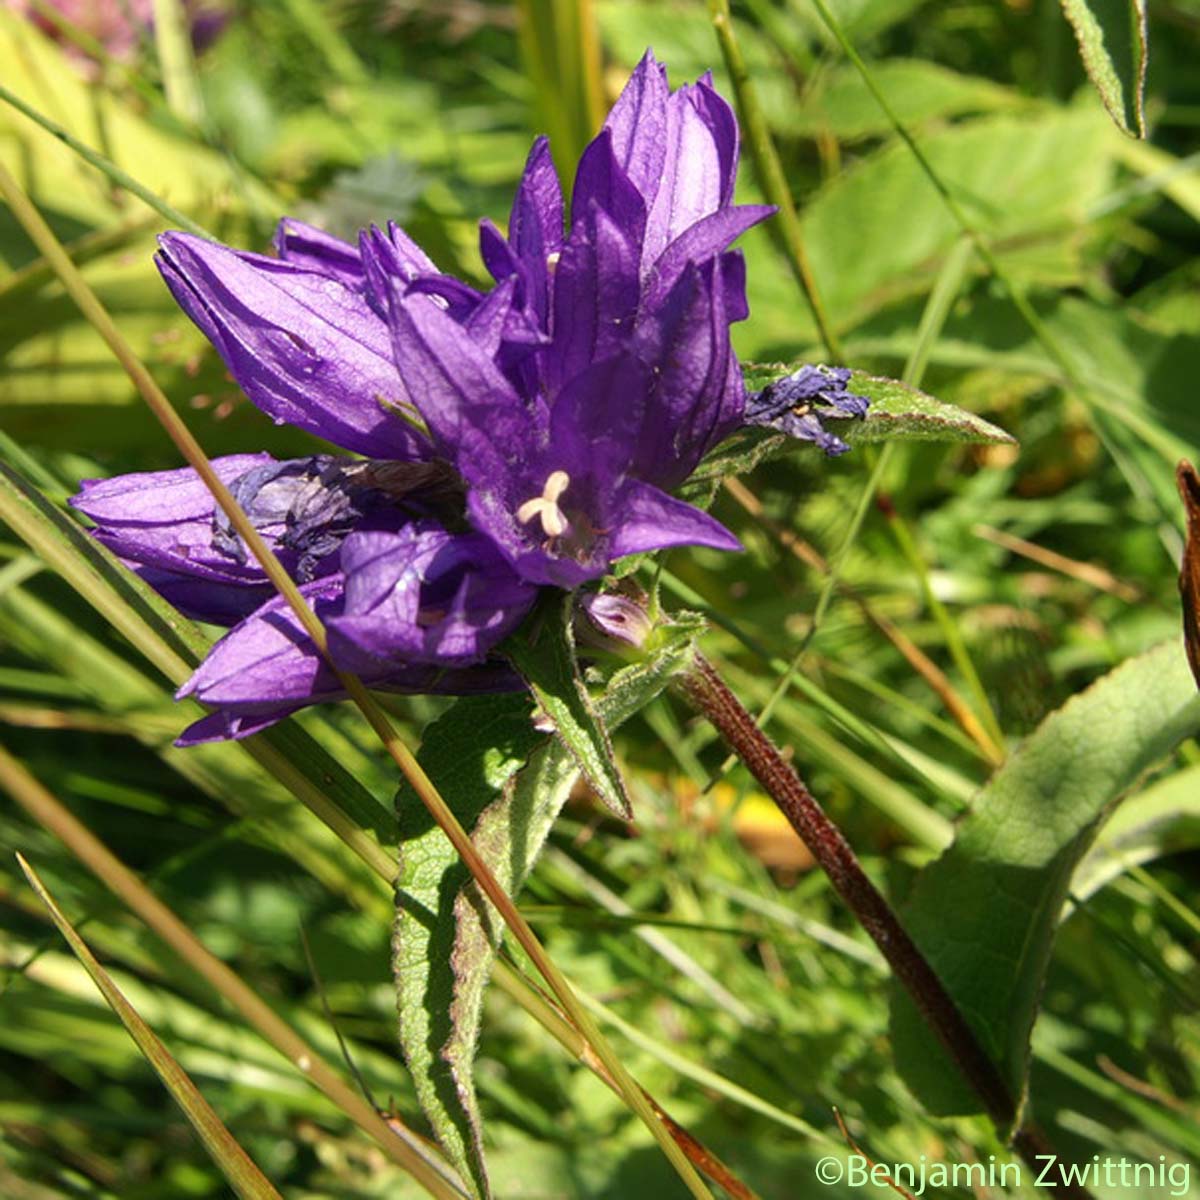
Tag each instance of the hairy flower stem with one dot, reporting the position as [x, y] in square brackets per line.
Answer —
[707, 692]
[710, 695]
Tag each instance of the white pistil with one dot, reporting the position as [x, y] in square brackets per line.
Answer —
[554, 521]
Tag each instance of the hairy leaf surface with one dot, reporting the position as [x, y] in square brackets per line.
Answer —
[507, 782]
[1114, 45]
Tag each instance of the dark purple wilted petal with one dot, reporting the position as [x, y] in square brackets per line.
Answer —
[422, 595]
[304, 348]
[796, 404]
[315, 250]
[164, 519]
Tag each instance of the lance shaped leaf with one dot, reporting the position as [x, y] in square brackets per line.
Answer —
[986, 912]
[543, 651]
[897, 412]
[1114, 46]
[1164, 819]
[508, 781]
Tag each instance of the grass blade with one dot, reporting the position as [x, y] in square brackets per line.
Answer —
[400, 1145]
[235, 1164]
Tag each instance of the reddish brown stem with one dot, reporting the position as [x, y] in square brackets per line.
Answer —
[707, 692]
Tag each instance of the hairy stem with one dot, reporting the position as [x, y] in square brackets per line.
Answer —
[707, 692]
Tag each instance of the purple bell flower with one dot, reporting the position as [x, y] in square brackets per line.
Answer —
[522, 437]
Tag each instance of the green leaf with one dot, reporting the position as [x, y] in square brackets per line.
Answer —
[878, 232]
[1164, 819]
[840, 104]
[986, 912]
[235, 1164]
[543, 651]
[898, 413]
[508, 782]
[1114, 45]
[471, 753]
[1139, 379]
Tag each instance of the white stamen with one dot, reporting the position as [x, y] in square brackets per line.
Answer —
[552, 260]
[554, 522]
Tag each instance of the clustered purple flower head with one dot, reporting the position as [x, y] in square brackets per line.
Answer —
[522, 437]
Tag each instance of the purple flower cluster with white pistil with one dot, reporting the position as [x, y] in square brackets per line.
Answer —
[796, 403]
[522, 437]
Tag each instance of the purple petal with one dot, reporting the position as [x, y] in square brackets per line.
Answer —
[268, 662]
[164, 520]
[600, 181]
[267, 667]
[389, 256]
[424, 595]
[596, 298]
[697, 398]
[498, 256]
[590, 443]
[468, 404]
[652, 520]
[722, 125]
[157, 497]
[617, 618]
[204, 599]
[638, 125]
[705, 239]
[315, 250]
[535, 225]
[306, 349]
[695, 173]
[224, 726]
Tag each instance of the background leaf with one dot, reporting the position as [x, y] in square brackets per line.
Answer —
[1113, 44]
[986, 912]
[236, 1165]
